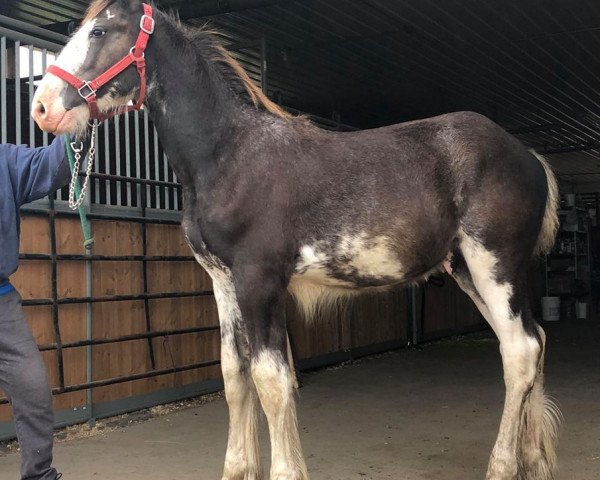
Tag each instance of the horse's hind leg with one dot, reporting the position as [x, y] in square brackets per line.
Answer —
[263, 310]
[242, 460]
[525, 446]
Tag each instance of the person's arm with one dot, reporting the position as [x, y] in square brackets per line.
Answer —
[38, 172]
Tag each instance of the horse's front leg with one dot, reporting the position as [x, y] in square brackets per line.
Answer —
[262, 302]
[242, 461]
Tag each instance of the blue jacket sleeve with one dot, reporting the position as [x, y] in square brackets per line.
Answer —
[37, 172]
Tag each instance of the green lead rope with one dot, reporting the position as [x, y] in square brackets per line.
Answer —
[88, 239]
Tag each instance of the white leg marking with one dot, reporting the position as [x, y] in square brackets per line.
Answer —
[521, 355]
[275, 386]
[242, 460]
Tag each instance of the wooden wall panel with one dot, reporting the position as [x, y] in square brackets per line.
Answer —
[447, 310]
[314, 337]
[378, 318]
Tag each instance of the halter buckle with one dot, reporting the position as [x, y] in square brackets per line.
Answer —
[85, 95]
[147, 24]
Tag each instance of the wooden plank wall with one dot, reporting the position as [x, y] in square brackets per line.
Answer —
[365, 321]
[448, 310]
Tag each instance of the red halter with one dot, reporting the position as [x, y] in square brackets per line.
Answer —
[88, 89]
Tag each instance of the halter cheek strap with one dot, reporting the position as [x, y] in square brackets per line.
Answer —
[88, 89]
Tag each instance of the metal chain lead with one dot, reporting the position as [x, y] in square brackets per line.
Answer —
[75, 204]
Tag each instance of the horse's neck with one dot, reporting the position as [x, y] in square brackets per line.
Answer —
[192, 113]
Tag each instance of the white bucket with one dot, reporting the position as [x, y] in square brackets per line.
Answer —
[551, 309]
[581, 308]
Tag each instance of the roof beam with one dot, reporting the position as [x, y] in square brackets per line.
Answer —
[584, 147]
[206, 8]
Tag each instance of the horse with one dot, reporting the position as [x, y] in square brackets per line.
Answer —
[273, 204]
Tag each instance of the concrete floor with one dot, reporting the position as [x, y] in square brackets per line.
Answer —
[430, 413]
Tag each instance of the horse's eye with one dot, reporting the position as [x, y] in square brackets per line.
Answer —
[97, 32]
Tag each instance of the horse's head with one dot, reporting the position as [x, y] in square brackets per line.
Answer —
[107, 34]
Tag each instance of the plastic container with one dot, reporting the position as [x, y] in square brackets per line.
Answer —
[551, 309]
[581, 309]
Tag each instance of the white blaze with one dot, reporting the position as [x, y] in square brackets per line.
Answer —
[75, 52]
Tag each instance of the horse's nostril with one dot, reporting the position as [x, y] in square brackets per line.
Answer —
[39, 110]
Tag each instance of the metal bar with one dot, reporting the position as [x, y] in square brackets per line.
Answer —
[412, 333]
[17, 118]
[3, 87]
[128, 338]
[107, 160]
[176, 193]
[38, 32]
[147, 152]
[136, 376]
[116, 218]
[118, 157]
[138, 160]
[145, 281]
[96, 181]
[44, 67]
[109, 258]
[156, 169]
[205, 8]
[54, 301]
[89, 331]
[28, 39]
[114, 298]
[31, 94]
[570, 148]
[129, 378]
[127, 161]
[141, 181]
[166, 177]
[544, 127]
[263, 65]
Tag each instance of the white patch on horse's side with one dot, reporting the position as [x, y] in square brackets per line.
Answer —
[315, 286]
[109, 15]
[370, 256]
[311, 267]
[275, 385]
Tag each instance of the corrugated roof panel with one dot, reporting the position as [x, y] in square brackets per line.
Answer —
[531, 66]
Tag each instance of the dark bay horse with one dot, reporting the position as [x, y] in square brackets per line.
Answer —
[273, 203]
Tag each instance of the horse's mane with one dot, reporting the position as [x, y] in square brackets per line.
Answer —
[237, 77]
[206, 41]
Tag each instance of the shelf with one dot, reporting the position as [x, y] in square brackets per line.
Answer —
[564, 211]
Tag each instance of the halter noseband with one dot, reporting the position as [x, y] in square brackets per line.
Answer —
[88, 89]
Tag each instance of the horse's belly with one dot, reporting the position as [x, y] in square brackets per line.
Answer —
[351, 261]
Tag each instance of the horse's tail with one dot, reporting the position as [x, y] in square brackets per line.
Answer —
[550, 221]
